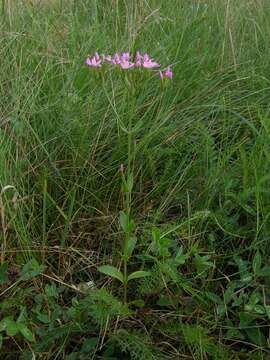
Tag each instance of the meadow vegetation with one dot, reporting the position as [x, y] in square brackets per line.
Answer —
[186, 218]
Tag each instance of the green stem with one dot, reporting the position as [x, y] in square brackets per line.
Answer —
[125, 280]
[125, 261]
[129, 145]
[132, 103]
[44, 217]
[132, 107]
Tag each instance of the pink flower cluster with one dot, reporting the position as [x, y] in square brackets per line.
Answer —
[125, 61]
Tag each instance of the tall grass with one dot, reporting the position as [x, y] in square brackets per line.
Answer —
[201, 157]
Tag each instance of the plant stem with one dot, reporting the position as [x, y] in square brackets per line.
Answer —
[128, 196]
[125, 280]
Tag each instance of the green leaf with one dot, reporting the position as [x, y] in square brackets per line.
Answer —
[203, 263]
[130, 182]
[51, 291]
[234, 334]
[259, 309]
[221, 309]
[138, 274]
[124, 221]
[264, 272]
[1, 341]
[23, 315]
[246, 278]
[111, 271]
[257, 263]
[11, 327]
[31, 270]
[160, 245]
[8, 325]
[3, 273]
[23, 329]
[180, 258]
[256, 336]
[145, 257]
[89, 345]
[156, 235]
[165, 301]
[229, 293]
[44, 318]
[246, 320]
[267, 310]
[131, 246]
[213, 297]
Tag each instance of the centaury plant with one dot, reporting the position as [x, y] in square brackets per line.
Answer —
[134, 186]
[133, 72]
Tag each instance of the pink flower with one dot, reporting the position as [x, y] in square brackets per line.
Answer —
[95, 61]
[126, 64]
[168, 73]
[149, 63]
[125, 56]
[116, 59]
[107, 58]
[146, 57]
[138, 59]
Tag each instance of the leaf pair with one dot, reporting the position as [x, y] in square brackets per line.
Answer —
[12, 327]
[113, 272]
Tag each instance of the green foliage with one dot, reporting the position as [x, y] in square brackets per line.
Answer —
[135, 345]
[187, 220]
[30, 270]
[12, 328]
[198, 339]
